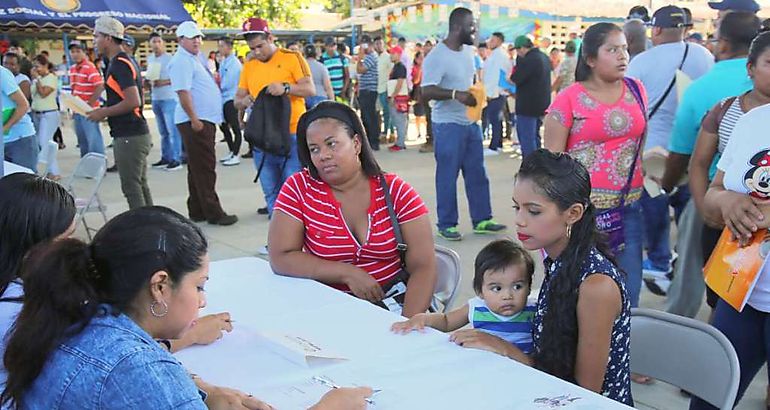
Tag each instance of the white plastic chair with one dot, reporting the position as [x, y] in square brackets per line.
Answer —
[47, 155]
[84, 185]
[448, 282]
[687, 353]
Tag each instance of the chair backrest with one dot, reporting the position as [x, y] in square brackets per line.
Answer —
[687, 353]
[85, 180]
[448, 282]
[92, 165]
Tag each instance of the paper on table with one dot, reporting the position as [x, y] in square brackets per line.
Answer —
[300, 350]
[76, 104]
[153, 72]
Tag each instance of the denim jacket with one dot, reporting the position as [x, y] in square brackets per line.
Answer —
[112, 364]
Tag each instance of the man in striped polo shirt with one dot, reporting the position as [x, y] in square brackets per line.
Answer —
[87, 84]
[337, 65]
[367, 91]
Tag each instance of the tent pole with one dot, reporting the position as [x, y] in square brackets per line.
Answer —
[66, 40]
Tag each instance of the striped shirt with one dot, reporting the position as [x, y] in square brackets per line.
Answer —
[368, 80]
[722, 128]
[336, 65]
[327, 236]
[516, 329]
[84, 78]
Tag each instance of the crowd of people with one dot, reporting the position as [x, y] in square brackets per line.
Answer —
[585, 195]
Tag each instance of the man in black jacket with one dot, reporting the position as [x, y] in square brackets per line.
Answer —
[532, 77]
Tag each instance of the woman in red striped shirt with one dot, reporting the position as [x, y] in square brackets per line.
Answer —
[332, 223]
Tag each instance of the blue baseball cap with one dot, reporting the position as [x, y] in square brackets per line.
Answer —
[735, 5]
[668, 17]
[129, 40]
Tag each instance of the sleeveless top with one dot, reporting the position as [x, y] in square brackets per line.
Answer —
[617, 378]
[515, 329]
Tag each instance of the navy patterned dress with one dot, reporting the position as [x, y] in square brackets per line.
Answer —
[617, 378]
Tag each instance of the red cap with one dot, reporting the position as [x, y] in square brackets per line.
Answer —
[396, 50]
[255, 25]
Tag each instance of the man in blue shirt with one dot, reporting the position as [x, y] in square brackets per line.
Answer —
[19, 140]
[337, 65]
[198, 113]
[727, 78]
[230, 73]
[367, 91]
[164, 105]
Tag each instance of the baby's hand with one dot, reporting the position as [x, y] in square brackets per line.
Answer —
[417, 322]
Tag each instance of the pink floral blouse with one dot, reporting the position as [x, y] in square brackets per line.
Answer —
[603, 138]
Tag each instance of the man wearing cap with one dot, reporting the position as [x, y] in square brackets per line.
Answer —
[496, 63]
[197, 115]
[367, 90]
[87, 84]
[281, 72]
[398, 101]
[164, 106]
[533, 92]
[337, 65]
[657, 68]
[447, 78]
[123, 110]
[725, 7]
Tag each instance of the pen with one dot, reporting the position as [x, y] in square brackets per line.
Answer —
[328, 383]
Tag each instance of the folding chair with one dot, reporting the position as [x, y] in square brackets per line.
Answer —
[48, 155]
[84, 185]
[448, 281]
[687, 353]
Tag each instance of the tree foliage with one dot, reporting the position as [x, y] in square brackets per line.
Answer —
[343, 6]
[232, 13]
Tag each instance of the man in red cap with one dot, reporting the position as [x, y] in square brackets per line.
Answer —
[398, 98]
[282, 72]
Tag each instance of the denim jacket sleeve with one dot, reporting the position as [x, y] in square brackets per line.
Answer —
[150, 380]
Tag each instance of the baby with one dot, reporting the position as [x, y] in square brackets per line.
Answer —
[502, 281]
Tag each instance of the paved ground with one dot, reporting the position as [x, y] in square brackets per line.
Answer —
[241, 197]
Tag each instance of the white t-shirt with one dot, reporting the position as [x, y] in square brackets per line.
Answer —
[746, 164]
[497, 61]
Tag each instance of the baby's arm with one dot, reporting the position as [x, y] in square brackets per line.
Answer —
[444, 322]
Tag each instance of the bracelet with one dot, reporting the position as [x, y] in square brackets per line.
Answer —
[453, 94]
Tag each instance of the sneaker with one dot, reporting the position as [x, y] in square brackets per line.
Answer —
[160, 164]
[263, 250]
[262, 211]
[224, 220]
[226, 157]
[173, 166]
[658, 287]
[488, 152]
[396, 148]
[233, 160]
[450, 234]
[651, 272]
[426, 148]
[488, 226]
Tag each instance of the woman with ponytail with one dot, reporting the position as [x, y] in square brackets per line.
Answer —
[85, 336]
[582, 324]
[33, 210]
[600, 120]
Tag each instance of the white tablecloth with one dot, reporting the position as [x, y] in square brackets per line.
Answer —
[415, 371]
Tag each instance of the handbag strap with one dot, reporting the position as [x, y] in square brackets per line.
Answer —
[637, 93]
[670, 85]
[401, 246]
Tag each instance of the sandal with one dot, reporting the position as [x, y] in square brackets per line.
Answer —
[641, 379]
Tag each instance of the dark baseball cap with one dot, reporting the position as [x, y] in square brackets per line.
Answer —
[76, 43]
[735, 5]
[669, 17]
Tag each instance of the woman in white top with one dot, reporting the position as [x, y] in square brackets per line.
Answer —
[45, 112]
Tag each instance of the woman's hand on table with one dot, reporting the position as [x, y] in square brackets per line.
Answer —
[222, 398]
[210, 328]
[417, 322]
[364, 286]
[344, 398]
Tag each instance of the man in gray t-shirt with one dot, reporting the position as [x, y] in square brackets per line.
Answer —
[457, 145]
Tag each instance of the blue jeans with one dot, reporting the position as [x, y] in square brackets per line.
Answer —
[630, 258]
[275, 170]
[23, 152]
[89, 135]
[401, 121]
[657, 230]
[494, 117]
[389, 126]
[749, 333]
[528, 131]
[456, 148]
[46, 124]
[311, 102]
[170, 139]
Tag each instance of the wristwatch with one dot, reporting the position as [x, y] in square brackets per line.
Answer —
[286, 88]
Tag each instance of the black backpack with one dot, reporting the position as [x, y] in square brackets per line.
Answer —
[267, 127]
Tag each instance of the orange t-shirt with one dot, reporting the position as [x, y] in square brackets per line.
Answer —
[285, 66]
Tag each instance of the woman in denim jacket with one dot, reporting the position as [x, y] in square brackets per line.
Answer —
[85, 337]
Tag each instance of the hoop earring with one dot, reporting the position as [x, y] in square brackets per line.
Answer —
[165, 308]
[569, 231]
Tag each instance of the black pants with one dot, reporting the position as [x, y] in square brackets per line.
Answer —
[231, 123]
[708, 243]
[429, 120]
[369, 116]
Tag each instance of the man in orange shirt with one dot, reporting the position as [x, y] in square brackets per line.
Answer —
[282, 72]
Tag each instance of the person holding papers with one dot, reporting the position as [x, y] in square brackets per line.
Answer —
[88, 85]
[85, 336]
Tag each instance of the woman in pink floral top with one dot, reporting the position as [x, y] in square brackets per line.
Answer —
[599, 121]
